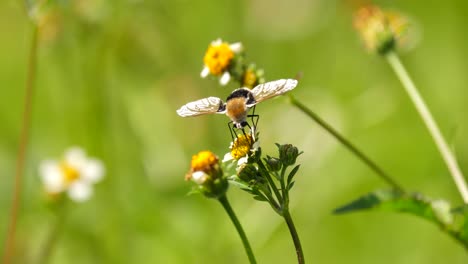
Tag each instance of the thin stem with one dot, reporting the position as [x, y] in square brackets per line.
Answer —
[264, 170]
[272, 201]
[49, 244]
[294, 235]
[442, 146]
[380, 172]
[224, 201]
[23, 143]
[283, 188]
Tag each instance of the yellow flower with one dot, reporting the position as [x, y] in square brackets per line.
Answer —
[241, 146]
[203, 165]
[241, 149]
[379, 30]
[218, 58]
[204, 161]
[206, 172]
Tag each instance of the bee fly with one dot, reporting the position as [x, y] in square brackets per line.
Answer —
[238, 103]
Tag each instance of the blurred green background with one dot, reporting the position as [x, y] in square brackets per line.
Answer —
[111, 74]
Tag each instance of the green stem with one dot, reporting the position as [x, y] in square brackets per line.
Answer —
[224, 201]
[23, 143]
[421, 107]
[294, 235]
[49, 244]
[380, 172]
[283, 188]
[265, 172]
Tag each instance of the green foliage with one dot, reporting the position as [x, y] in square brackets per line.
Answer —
[453, 221]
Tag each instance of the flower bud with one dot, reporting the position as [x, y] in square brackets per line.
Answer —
[207, 174]
[273, 164]
[247, 173]
[288, 154]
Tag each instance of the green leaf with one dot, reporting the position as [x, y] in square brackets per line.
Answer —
[452, 221]
[292, 173]
[291, 185]
[261, 198]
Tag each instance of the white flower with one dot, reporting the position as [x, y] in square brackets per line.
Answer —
[74, 174]
[241, 149]
[218, 59]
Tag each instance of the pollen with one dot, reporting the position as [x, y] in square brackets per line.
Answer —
[70, 174]
[204, 161]
[218, 57]
[241, 146]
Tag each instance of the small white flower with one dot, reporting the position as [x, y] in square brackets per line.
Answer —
[74, 174]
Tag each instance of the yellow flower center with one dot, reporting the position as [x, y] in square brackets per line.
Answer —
[70, 174]
[204, 161]
[217, 58]
[250, 79]
[241, 146]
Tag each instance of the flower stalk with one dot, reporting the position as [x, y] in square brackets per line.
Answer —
[295, 237]
[431, 125]
[363, 157]
[227, 207]
[9, 248]
[56, 229]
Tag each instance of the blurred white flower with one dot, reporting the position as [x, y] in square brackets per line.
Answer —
[74, 174]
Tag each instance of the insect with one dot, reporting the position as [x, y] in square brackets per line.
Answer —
[239, 102]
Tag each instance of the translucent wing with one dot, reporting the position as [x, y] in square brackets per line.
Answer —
[203, 106]
[271, 89]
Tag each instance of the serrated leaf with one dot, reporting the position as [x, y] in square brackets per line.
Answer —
[452, 221]
[292, 173]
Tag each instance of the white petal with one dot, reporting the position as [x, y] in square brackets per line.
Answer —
[236, 47]
[75, 157]
[51, 176]
[225, 78]
[205, 72]
[80, 191]
[227, 157]
[217, 42]
[243, 160]
[93, 171]
[199, 177]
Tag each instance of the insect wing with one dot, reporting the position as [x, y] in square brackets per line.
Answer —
[271, 89]
[203, 106]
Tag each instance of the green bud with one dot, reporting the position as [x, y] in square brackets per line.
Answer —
[273, 164]
[247, 173]
[215, 188]
[288, 154]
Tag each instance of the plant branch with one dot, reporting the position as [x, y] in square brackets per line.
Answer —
[224, 201]
[9, 249]
[371, 164]
[294, 235]
[423, 110]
